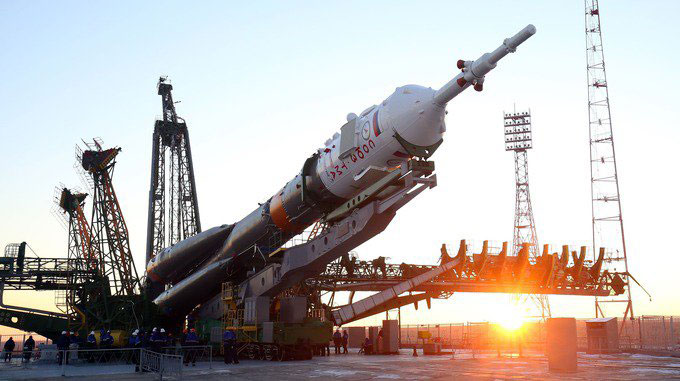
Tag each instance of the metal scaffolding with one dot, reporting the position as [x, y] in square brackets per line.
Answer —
[517, 130]
[607, 218]
[171, 134]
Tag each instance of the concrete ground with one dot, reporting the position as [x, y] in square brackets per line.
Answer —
[403, 366]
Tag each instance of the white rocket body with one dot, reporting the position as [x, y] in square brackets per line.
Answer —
[366, 149]
[409, 111]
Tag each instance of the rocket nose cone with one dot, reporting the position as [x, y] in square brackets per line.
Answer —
[415, 116]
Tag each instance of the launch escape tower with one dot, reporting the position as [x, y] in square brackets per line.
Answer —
[517, 126]
[604, 181]
[171, 134]
[109, 237]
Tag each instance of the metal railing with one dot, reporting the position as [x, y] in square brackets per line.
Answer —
[192, 353]
[160, 363]
[74, 362]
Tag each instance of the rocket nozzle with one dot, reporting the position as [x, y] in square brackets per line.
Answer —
[474, 72]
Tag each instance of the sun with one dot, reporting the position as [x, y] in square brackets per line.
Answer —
[511, 323]
[510, 317]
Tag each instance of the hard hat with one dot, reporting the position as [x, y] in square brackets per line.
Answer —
[92, 333]
[63, 332]
[135, 332]
[155, 329]
[162, 330]
[71, 332]
[108, 331]
[193, 330]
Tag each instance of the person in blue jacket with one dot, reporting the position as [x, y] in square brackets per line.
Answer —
[106, 342]
[130, 345]
[91, 344]
[156, 341]
[190, 340]
[229, 347]
[62, 346]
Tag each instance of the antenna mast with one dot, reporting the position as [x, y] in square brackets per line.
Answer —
[604, 180]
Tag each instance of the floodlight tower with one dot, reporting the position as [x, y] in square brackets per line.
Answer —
[518, 139]
[604, 180]
[171, 134]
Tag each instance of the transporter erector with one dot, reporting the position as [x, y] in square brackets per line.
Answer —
[372, 167]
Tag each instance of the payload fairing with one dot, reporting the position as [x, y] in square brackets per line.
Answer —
[370, 145]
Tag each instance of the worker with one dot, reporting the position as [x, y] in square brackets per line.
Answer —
[91, 342]
[29, 345]
[62, 347]
[140, 342]
[74, 344]
[367, 347]
[345, 340]
[155, 340]
[8, 349]
[77, 339]
[91, 345]
[133, 339]
[143, 341]
[229, 347]
[106, 342]
[380, 341]
[163, 338]
[337, 340]
[130, 345]
[190, 342]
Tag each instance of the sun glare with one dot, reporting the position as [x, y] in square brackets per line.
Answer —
[510, 317]
[511, 323]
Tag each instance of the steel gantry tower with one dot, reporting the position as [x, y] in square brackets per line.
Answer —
[82, 260]
[517, 126]
[171, 134]
[109, 232]
[604, 180]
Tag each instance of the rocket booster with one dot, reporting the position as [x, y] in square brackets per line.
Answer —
[366, 148]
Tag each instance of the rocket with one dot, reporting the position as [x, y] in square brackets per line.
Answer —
[368, 146]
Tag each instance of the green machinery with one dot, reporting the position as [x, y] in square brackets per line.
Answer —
[280, 329]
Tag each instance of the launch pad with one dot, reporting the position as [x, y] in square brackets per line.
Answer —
[403, 366]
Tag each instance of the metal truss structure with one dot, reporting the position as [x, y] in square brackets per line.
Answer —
[171, 134]
[551, 273]
[606, 202]
[82, 261]
[19, 272]
[109, 239]
[97, 284]
[517, 129]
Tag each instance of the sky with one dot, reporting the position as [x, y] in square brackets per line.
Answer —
[263, 84]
